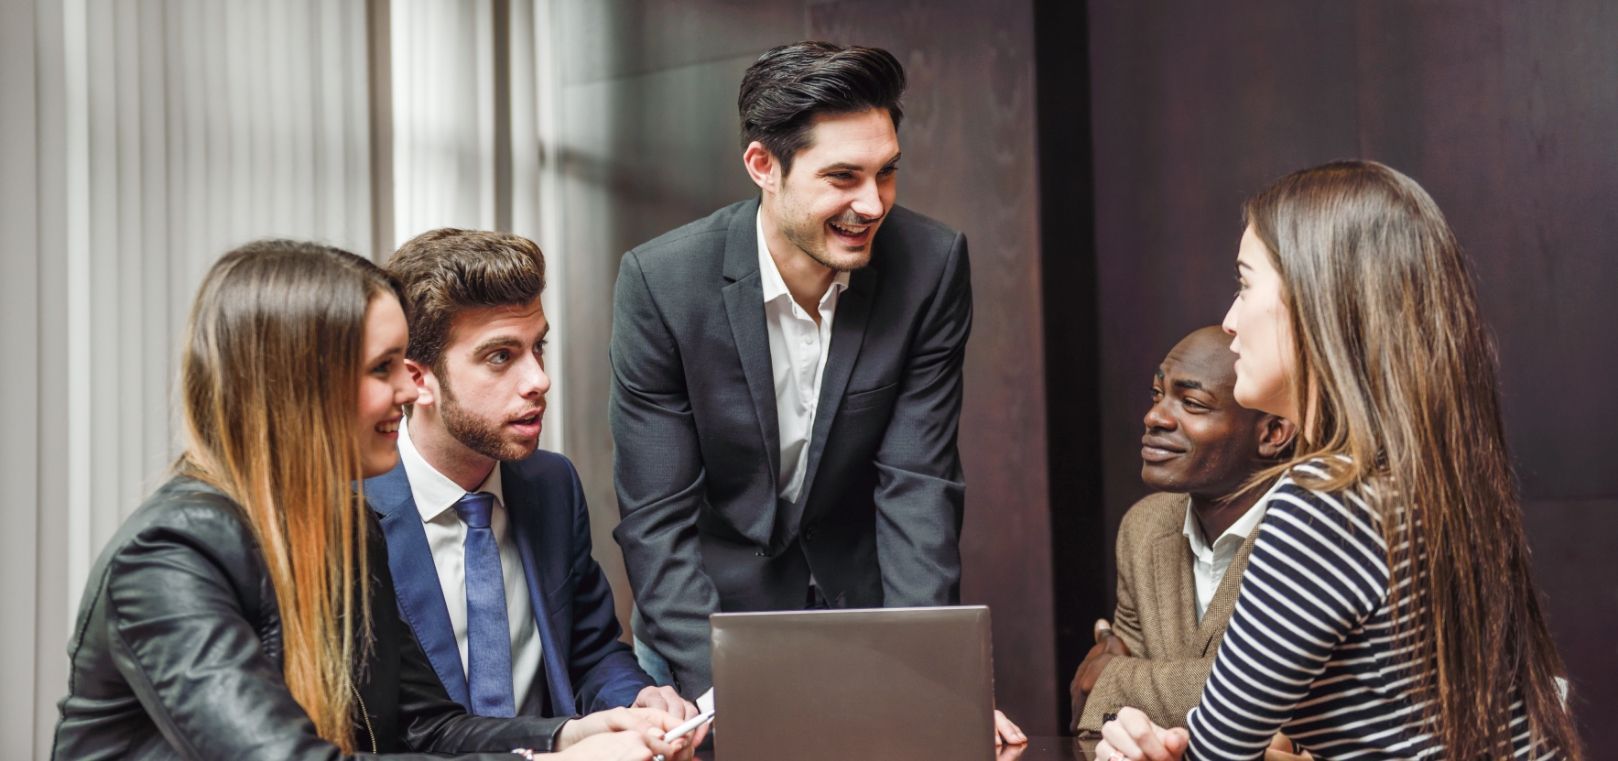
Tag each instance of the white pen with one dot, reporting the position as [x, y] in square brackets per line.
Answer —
[690, 725]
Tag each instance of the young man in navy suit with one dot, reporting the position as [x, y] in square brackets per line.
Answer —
[488, 536]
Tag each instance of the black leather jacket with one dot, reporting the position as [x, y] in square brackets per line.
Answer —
[177, 654]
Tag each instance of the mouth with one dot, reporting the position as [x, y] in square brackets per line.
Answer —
[852, 235]
[1156, 450]
[529, 425]
[389, 427]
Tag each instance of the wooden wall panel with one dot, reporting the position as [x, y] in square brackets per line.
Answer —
[968, 140]
[1505, 112]
[649, 141]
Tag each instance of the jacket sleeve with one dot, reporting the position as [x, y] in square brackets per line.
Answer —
[920, 492]
[659, 478]
[603, 669]
[1165, 689]
[183, 642]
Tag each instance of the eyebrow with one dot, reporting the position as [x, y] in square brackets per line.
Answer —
[391, 351]
[1190, 384]
[498, 342]
[501, 342]
[844, 166]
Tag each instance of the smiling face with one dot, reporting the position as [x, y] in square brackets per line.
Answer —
[1261, 331]
[385, 385]
[490, 395]
[840, 188]
[1197, 439]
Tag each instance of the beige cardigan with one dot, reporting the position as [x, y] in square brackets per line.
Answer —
[1170, 653]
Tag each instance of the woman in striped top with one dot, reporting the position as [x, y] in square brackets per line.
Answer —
[1387, 611]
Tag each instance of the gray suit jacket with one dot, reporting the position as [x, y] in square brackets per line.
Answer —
[694, 423]
[1171, 653]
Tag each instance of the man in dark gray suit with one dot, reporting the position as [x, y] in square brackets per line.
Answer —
[787, 375]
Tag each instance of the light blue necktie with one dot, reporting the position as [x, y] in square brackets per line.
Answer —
[488, 636]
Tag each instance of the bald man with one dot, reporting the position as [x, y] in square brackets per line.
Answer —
[1181, 551]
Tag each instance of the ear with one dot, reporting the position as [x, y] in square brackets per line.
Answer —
[1275, 435]
[426, 383]
[761, 165]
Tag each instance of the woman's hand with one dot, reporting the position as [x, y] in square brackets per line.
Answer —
[1007, 733]
[1134, 737]
[644, 726]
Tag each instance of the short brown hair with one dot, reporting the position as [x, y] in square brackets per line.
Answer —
[447, 270]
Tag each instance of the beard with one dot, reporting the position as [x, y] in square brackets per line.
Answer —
[810, 236]
[476, 433]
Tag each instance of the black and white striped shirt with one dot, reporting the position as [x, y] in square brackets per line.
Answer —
[1309, 650]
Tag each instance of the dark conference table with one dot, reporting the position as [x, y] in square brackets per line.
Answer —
[1037, 749]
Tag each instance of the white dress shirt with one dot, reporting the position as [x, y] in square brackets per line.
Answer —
[798, 359]
[1208, 564]
[435, 496]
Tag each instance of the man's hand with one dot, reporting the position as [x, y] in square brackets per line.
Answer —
[626, 746]
[1007, 733]
[1133, 737]
[645, 725]
[667, 700]
[1107, 647]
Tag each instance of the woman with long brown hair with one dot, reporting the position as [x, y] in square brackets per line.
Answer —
[246, 610]
[1388, 609]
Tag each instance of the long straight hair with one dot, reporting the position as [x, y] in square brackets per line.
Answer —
[270, 380]
[1397, 371]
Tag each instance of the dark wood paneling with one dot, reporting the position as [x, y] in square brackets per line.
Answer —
[1504, 111]
[968, 139]
[648, 117]
[1572, 542]
[1079, 550]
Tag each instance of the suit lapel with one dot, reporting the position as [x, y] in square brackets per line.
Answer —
[415, 578]
[523, 506]
[1223, 603]
[744, 306]
[847, 336]
[1176, 589]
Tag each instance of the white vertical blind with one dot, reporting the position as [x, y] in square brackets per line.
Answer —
[144, 138]
[162, 133]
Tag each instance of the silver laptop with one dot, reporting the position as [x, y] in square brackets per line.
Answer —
[887, 683]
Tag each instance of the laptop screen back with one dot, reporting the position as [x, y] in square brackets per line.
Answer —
[891, 684]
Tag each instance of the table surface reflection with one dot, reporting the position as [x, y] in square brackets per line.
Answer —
[1037, 749]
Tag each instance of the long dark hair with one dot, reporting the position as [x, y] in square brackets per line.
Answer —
[1397, 370]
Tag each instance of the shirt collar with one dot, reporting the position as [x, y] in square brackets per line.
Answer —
[1241, 529]
[433, 491]
[769, 274]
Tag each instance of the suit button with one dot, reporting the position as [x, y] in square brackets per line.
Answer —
[809, 534]
[762, 553]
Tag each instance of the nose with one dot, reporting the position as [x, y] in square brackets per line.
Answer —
[1229, 323]
[1157, 418]
[404, 390]
[868, 202]
[536, 382]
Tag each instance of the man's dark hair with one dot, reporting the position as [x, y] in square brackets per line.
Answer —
[787, 87]
[445, 271]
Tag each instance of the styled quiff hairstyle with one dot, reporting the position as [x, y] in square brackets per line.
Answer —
[788, 86]
[447, 270]
[1397, 386]
[269, 381]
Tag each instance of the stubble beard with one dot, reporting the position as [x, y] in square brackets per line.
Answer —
[475, 433]
[805, 241]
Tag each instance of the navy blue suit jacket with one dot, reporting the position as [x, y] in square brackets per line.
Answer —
[586, 668]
